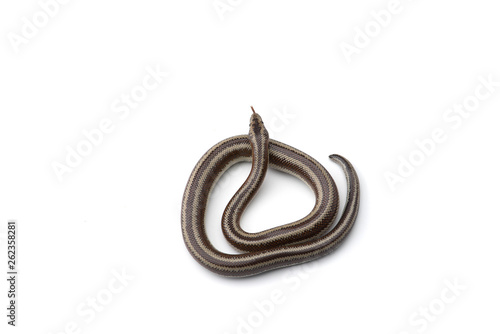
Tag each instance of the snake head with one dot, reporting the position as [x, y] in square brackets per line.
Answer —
[257, 128]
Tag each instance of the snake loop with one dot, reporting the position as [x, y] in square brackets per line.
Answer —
[303, 240]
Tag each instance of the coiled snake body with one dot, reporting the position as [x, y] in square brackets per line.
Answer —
[303, 240]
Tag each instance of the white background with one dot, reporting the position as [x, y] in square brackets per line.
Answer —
[119, 209]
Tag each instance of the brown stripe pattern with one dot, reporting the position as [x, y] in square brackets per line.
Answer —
[304, 240]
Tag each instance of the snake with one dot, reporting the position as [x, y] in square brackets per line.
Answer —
[300, 241]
